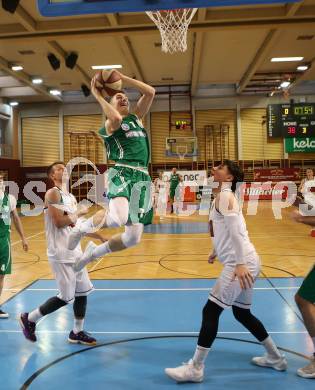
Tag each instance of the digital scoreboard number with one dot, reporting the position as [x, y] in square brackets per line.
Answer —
[291, 120]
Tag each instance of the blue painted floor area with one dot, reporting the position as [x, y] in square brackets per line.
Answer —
[143, 326]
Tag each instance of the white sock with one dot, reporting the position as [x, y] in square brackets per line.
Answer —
[35, 315]
[78, 325]
[271, 348]
[101, 250]
[200, 356]
[87, 226]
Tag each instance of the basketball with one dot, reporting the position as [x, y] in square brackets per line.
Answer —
[109, 81]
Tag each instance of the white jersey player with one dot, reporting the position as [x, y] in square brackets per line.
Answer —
[161, 190]
[61, 215]
[234, 287]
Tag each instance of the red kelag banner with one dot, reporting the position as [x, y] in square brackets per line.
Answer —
[277, 174]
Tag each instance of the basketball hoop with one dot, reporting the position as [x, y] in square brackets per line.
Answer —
[173, 26]
[182, 151]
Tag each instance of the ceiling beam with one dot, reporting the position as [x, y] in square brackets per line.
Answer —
[25, 78]
[30, 25]
[132, 20]
[258, 59]
[25, 19]
[291, 9]
[121, 31]
[267, 44]
[199, 39]
[127, 49]
[303, 75]
[61, 52]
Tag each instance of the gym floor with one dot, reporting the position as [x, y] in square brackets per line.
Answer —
[146, 310]
[143, 326]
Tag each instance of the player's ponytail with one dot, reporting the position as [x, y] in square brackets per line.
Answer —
[236, 172]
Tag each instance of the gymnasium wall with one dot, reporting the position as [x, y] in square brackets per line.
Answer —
[41, 143]
[254, 142]
[83, 123]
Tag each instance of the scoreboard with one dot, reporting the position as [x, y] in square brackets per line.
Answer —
[291, 120]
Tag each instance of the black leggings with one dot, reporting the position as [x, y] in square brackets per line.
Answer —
[79, 307]
[54, 303]
[210, 323]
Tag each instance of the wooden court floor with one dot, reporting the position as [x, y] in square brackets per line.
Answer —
[285, 247]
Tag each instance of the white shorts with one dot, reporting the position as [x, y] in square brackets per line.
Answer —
[227, 292]
[71, 284]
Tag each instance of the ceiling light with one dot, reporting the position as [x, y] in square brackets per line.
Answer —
[16, 68]
[302, 68]
[97, 67]
[37, 80]
[55, 92]
[285, 84]
[287, 59]
[14, 104]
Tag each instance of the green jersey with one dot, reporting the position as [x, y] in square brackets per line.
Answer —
[5, 230]
[174, 180]
[5, 217]
[129, 144]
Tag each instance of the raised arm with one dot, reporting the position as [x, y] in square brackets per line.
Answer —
[55, 210]
[114, 118]
[148, 93]
[301, 186]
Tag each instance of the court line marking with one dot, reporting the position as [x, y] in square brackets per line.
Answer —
[27, 238]
[144, 332]
[159, 289]
[208, 238]
[201, 238]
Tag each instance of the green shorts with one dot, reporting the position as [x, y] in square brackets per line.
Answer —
[307, 290]
[136, 186]
[5, 256]
[172, 193]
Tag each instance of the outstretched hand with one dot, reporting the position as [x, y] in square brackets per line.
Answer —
[25, 245]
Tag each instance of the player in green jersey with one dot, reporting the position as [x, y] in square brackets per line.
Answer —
[7, 210]
[305, 300]
[129, 183]
[175, 179]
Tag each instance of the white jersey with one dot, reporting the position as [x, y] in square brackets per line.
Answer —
[230, 237]
[57, 238]
[160, 184]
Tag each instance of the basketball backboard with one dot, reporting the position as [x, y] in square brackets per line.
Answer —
[77, 7]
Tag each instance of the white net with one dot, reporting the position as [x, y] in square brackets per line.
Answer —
[182, 151]
[173, 26]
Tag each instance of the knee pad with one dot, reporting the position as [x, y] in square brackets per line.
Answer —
[51, 305]
[211, 309]
[241, 314]
[132, 235]
[79, 306]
